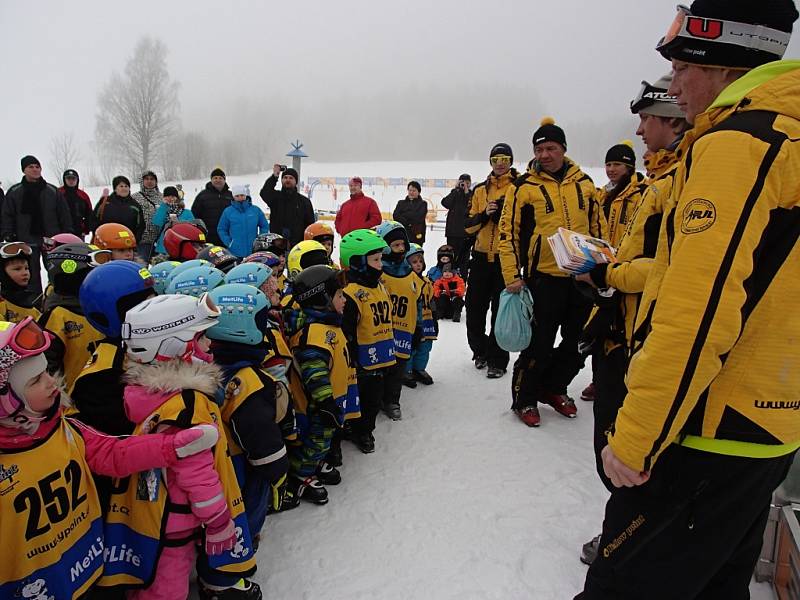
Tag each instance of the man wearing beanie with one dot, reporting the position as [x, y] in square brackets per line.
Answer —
[707, 429]
[289, 211]
[457, 205]
[485, 278]
[554, 193]
[32, 210]
[78, 202]
[212, 202]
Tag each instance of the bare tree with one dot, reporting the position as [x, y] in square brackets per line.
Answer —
[64, 153]
[194, 155]
[138, 110]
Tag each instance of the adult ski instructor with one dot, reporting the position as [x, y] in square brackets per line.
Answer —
[709, 427]
[289, 211]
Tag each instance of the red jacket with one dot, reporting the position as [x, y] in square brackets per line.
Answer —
[454, 286]
[359, 212]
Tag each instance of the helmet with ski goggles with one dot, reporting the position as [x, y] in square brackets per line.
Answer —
[319, 231]
[114, 236]
[271, 242]
[185, 266]
[305, 254]
[15, 249]
[67, 265]
[713, 41]
[253, 273]
[51, 243]
[391, 231]
[316, 286]
[160, 272]
[269, 259]
[195, 281]
[219, 256]
[110, 290]
[20, 341]
[184, 240]
[244, 314]
[164, 327]
[357, 245]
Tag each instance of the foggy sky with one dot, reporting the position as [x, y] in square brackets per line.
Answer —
[584, 60]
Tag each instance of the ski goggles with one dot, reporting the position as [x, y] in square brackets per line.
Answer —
[707, 29]
[649, 95]
[12, 249]
[95, 258]
[500, 159]
[27, 338]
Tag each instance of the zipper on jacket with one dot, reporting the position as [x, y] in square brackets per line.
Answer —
[581, 203]
[548, 202]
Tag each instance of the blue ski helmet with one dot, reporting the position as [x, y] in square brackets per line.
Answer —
[160, 271]
[111, 290]
[196, 281]
[185, 266]
[269, 259]
[253, 273]
[392, 231]
[244, 314]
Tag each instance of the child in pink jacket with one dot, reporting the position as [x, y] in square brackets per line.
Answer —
[48, 502]
[168, 388]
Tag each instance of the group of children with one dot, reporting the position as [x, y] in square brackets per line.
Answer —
[236, 382]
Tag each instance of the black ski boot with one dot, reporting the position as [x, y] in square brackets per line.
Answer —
[308, 489]
[408, 380]
[393, 412]
[243, 590]
[480, 362]
[423, 377]
[327, 474]
[364, 442]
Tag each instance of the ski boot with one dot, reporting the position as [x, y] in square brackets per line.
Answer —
[243, 590]
[408, 380]
[308, 489]
[423, 377]
[495, 373]
[480, 362]
[589, 394]
[393, 412]
[528, 415]
[561, 403]
[364, 442]
[590, 549]
[327, 474]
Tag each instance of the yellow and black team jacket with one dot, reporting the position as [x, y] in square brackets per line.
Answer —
[331, 340]
[719, 370]
[478, 223]
[404, 292]
[619, 214]
[536, 206]
[637, 248]
[368, 324]
[13, 313]
[139, 506]
[51, 522]
[429, 329]
[73, 336]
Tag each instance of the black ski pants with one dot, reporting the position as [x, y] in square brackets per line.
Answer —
[448, 306]
[461, 246]
[393, 383]
[557, 305]
[609, 377]
[694, 530]
[370, 395]
[483, 292]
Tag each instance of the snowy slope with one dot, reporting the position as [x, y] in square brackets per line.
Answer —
[460, 500]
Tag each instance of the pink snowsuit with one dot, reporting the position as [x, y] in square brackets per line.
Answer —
[193, 481]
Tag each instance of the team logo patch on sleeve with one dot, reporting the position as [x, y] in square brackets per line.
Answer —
[698, 216]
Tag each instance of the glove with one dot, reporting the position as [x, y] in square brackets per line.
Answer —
[194, 440]
[330, 414]
[277, 491]
[220, 534]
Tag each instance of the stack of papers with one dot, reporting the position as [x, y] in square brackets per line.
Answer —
[577, 253]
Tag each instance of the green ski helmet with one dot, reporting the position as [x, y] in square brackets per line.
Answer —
[357, 245]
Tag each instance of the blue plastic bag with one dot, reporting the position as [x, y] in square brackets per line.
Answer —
[512, 328]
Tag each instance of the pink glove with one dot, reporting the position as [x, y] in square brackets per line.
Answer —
[220, 534]
[194, 440]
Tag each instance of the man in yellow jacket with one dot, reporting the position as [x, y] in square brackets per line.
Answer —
[710, 424]
[485, 278]
[554, 193]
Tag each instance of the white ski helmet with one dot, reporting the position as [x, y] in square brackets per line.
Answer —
[163, 327]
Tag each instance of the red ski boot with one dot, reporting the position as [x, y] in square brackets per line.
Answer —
[528, 415]
[589, 394]
[561, 403]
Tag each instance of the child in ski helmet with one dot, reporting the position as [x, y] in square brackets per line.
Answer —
[40, 444]
[116, 238]
[445, 255]
[320, 232]
[160, 271]
[167, 391]
[426, 330]
[219, 256]
[183, 241]
[195, 281]
[16, 301]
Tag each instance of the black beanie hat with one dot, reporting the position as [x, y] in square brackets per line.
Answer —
[622, 153]
[29, 160]
[549, 132]
[170, 191]
[119, 179]
[704, 39]
[415, 184]
[293, 173]
[502, 149]
[217, 173]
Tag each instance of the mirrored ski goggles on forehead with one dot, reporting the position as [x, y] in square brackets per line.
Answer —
[706, 29]
[649, 95]
[27, 338]
[94, 258]
[500, 159]
[12, 249]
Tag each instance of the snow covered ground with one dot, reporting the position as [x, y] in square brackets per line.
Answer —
[459, 500]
